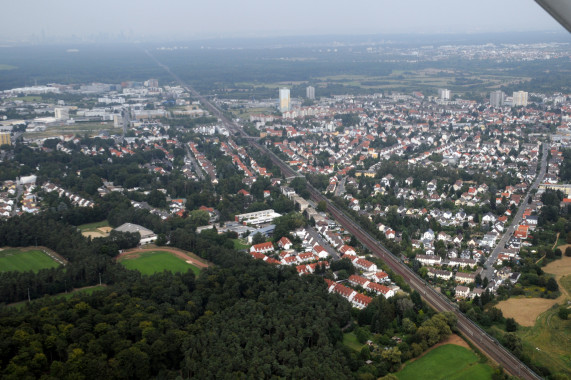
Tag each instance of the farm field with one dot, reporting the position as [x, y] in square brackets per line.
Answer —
[447, 362]
[150, 262]
[23, 260]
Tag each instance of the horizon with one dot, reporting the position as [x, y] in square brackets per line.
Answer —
[146, 21]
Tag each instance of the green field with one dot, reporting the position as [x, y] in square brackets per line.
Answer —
[74, 293]
[447, 362]
[238, 244]
[158, 261]
[22, 261]
[548, 342]
[350, 340]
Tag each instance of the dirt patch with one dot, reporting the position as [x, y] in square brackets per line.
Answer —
[525, 310]
[93, 234]
[186, 256]
[452, 339]
[105, 230]
[560, 268]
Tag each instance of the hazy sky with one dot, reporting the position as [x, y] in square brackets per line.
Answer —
[227, 18]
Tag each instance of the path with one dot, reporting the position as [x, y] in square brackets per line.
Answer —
[179, 253]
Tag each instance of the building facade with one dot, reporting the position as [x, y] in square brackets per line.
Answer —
[284, 104]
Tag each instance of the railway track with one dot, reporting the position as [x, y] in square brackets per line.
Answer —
[482, 340]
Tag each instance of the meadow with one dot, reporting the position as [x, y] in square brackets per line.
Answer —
[23, 260]
[447, 362]
[157, 261]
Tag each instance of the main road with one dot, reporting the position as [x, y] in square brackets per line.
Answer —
[484, 342]
[489, 271]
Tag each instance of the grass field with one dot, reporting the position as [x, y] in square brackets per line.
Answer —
[548, 342]
[238, 244]
[350, 340]
[157, 261]
[68, 295]
[25, 260]
[446, 362]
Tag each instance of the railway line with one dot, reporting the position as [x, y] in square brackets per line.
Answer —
[483, 341]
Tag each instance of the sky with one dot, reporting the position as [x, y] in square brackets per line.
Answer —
[180, 19]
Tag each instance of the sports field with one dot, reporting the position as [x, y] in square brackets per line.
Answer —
[23, 260]
[157, 261]
[447, 362]
[97, 229]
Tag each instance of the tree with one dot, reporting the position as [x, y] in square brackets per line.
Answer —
[511, 325]
[321, 206]
[552, 285]
[568, 251]
[258, 238]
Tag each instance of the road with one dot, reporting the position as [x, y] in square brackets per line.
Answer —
[195, 165]
[484, 342]
[321, 241]
[489, 271]
[340, 190]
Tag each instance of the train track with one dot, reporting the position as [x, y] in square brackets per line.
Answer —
[482, 340]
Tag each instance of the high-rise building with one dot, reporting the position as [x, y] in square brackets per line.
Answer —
[5, 139]
[61, 113]
[444, 94]
[284, 100]
[310, 92]
[519, 98]
[497, 98]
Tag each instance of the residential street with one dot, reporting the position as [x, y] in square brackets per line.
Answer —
[489, 271]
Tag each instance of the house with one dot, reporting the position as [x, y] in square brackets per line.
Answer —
[262, 247]
[358, 280]
[462, 291]
[380, 289]
[438, 273]
[361, 301]
[306, 256]
[465, 278]
[390, 234]
[365, 265]
[429, 259]
[320, 252]
[347, 250]
[284, 243]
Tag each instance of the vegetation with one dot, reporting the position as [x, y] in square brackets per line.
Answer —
[157, 261]
[25, 260]
[447, 362]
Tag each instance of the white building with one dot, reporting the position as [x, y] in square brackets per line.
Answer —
[444, 94]
[284, 104]
[61, 113]
[519, 98]
[310, 92]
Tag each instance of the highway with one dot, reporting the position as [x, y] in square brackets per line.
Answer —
[484, 342]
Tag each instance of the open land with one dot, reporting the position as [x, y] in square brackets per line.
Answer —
[95, 230]
[448, 361]
[526, 311]
[153, 260]
[26, 259]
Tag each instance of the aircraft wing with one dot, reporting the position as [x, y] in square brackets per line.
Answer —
[560, 10]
